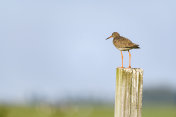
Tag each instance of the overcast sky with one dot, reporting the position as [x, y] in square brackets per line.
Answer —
[57, 48]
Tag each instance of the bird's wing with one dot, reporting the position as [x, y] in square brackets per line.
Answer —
[125, 43]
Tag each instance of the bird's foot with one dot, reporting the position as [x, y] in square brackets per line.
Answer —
[121, 67]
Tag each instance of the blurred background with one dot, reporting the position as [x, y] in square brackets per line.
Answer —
[55, 61]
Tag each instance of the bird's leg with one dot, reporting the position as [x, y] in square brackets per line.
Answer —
[122, 59]
[129, 59]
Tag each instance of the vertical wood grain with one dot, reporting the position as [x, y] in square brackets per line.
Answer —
[128, 98]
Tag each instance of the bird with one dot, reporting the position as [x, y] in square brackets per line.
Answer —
[123, 44]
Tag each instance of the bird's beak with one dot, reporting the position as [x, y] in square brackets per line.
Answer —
[109, 37]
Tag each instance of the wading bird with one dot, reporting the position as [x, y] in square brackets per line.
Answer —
[123, 44]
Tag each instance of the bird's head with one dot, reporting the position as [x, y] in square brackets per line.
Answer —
[114, 34]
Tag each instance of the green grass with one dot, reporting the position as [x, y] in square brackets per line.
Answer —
[159, 112]
[95, 111]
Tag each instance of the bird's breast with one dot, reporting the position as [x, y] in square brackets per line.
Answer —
[115, 43]
[118, 45]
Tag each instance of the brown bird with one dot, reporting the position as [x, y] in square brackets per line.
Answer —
[123, 44]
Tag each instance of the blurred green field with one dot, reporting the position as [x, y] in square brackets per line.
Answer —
[95, 111]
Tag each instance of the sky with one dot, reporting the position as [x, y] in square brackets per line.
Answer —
[58, 49]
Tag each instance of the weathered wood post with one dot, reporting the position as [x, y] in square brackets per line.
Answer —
[128, 98]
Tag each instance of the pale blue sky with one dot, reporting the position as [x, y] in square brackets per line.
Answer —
[57, 48]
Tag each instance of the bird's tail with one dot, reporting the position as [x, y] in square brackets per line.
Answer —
[136, 46]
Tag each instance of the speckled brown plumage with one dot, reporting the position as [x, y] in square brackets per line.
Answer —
[123, 44]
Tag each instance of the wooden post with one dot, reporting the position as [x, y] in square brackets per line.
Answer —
[128, 98]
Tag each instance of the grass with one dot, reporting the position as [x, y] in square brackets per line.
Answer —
[159, 111]
[94, 111]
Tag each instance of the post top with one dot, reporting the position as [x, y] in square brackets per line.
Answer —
[130, 70]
